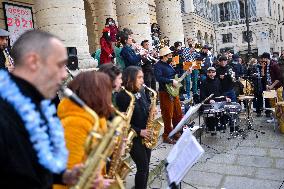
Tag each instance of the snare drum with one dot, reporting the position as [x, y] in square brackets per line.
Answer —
[232, 108]
[213, 119]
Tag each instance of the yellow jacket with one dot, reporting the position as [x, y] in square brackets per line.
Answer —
[77, 124]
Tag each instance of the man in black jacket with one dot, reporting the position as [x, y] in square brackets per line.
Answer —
[31, 140]
[211, 85]
[224, 73]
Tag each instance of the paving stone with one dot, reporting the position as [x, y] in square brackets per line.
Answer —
[255, 161]
[224, 158]
[203, 178]
[279, 153]
[279, 163]
[249, 151]
[233, 182]
[271, 174]
[225, 169]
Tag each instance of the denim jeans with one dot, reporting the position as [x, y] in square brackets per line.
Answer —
[231, 94]
[187, 85]
[194, 80]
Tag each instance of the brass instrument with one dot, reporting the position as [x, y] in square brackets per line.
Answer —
[96, 153]
[119, 168]
[9, 62]
[152, 125]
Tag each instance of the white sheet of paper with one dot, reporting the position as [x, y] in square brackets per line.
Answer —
[192, 110]
[182, 157]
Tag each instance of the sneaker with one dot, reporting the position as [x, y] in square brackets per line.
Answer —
[270, 120]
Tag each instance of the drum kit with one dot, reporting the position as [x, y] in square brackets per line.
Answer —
[221, 115]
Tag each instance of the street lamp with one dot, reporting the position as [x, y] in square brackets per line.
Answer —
[248, 36]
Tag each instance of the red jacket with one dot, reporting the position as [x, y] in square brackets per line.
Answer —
[106, 50]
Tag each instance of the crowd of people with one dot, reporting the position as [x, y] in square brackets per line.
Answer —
[38, 152]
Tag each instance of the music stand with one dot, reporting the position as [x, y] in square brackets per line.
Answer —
[192, 110]
[181, 158]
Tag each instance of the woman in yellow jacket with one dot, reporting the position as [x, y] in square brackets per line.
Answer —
[95, 89]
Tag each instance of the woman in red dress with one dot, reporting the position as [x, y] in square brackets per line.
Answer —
[106, 47]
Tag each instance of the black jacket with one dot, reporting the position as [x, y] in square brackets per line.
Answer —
[19, 167]
[210, 86]
[227, 82]
[141, 109]
[2, 60]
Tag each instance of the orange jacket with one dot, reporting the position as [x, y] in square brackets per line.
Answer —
[77, 125]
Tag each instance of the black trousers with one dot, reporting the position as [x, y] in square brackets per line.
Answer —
[149, 78]
[141, 156]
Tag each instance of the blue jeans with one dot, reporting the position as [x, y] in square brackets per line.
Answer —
[194, 79]
[187, 85]
[231, 94]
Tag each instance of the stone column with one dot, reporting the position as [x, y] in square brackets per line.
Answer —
[104, 9]
[188, 6]
[66, 19]
[134, 14]
[170, 20]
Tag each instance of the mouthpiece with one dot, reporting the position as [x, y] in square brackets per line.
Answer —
[72, 96]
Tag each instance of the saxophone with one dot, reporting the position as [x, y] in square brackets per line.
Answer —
[119, 168]
[96, 153]
[152, 125]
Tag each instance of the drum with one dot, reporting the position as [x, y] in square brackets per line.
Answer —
[213, 119]
[232, 108]
[279, 112]
[248, 87]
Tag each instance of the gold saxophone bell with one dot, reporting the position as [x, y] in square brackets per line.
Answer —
[119, 168]
[152, 124]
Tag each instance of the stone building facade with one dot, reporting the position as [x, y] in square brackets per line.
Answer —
[224, 22]
[79, 22]
[265, 18]
[219, 23]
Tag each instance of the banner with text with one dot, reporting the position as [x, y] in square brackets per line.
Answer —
[18, 20]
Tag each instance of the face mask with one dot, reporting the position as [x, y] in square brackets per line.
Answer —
[169, 60]
[110, 23]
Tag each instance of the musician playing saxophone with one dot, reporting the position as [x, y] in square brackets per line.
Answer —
[78, 123]
[132, 78]
[170, 106]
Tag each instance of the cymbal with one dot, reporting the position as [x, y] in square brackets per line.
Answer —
[219, 97]
[245, 97]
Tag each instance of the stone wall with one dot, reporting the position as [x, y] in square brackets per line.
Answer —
[194, 23]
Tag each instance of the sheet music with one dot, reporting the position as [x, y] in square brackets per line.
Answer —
[182, 157]
[192, 110]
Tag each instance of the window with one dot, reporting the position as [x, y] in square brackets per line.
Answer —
[269, 8]
[279, 17]
[224, 12]
[182, 6]
[245, 37]
[281, 37]
[227, 38]
[242, 9]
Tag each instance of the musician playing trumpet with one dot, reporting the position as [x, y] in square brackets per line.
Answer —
[223, 73]
[6, 60]
[170, 105]
[147, 65]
